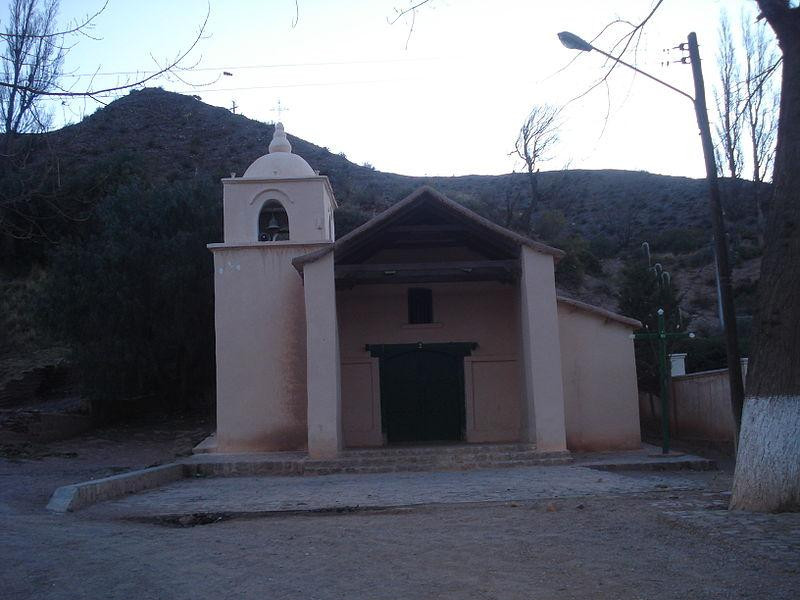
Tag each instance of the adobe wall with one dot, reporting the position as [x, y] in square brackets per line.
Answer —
[482, 312]
[599, 374]
[260, 347]
[701, 406]
[543, 418]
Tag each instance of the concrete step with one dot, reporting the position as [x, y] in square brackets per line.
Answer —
[358, 461]
[438, 450]
[432, 466]
[469, 457]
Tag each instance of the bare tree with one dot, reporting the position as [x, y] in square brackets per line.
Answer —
[510, 206]
[624, 223]
[767, 476]
[32, 59]
[32, 50]
[537, 136]
[30, 37]
[729, 100]
[761, 108]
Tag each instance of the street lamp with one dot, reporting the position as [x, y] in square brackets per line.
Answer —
[574, 42]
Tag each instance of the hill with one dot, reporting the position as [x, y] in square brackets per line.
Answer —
[155, 136]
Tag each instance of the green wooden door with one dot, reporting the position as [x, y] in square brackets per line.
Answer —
[422, 391]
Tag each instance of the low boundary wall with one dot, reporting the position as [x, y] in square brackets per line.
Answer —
[700, 407]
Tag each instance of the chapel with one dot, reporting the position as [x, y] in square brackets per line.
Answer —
[428, 324]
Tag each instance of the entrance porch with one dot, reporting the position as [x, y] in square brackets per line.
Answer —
[432, 325]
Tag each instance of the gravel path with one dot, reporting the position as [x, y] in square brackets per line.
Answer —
[264, 494]
[630, 536]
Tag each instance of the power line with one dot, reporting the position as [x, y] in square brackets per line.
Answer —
[273, 66]
[201, 90]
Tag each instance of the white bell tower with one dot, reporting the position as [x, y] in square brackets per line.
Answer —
[282, 180]
[280, 209]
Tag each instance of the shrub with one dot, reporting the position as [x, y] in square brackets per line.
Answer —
[578, 261]
[746, 295]
[708, 353]
[550, 224]
[347, 218]
[569, 271]
[643, 290]
[747, 251]
[704, 256]
[603, 247]
[682, 240]
[134, 299]
[704, 301]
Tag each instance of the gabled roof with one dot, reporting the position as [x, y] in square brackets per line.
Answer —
[426, 196]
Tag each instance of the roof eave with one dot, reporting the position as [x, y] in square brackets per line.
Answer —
[600, 312]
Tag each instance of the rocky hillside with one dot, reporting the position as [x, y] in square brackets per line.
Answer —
[156, 135]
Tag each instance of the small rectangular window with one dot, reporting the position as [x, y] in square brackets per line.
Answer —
[420, 306]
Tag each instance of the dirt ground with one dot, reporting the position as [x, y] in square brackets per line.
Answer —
[656, 545]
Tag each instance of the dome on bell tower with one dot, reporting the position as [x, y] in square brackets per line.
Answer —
[280, 163]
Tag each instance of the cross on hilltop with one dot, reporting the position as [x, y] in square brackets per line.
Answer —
[279, 109]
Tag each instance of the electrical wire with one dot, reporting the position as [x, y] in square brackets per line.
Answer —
[272, 66]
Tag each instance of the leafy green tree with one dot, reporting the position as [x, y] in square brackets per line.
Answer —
[134, 298]
[553, 228]
[550, 224]
[347, 218]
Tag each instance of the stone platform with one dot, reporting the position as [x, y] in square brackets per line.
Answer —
[203, 500]
[403, 459]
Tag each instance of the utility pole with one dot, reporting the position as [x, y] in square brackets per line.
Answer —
[574, 42]
[720, 239]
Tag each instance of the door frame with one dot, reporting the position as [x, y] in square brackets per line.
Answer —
[455, 349]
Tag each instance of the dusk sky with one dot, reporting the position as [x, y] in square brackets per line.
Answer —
[446, 100]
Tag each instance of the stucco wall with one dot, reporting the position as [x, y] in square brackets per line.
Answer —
[361, 408]
[486, 313]
[323, 389]
[493, 398]
[543, 419]
[599, 374]
[261, 348]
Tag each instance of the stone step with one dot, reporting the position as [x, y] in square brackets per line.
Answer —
[468, 457]
[375, 464]
[243, 468]
[432, 466]
[437, 450]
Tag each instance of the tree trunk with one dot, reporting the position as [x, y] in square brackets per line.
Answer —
[768, 464]
[767, 476]
[757, 185]
[760, 219]
[527, 217]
